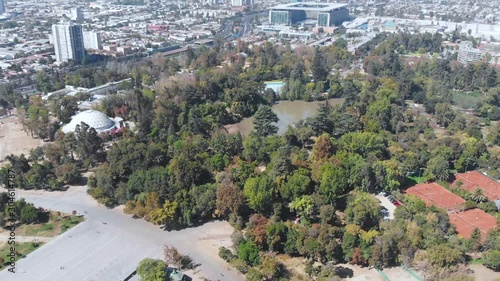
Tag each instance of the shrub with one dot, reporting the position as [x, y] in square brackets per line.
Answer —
[249, 252]
[492, 260]
[225, 254]
[240, 265]
[30, 214]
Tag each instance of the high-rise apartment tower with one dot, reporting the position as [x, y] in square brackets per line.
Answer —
[68, 42]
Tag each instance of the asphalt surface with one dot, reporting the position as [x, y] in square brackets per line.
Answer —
[387, 204]
[109, 244]
[245, 26]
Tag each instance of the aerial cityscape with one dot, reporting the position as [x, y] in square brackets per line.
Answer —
[249, 140]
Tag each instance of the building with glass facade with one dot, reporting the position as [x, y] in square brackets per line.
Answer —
[324, 14]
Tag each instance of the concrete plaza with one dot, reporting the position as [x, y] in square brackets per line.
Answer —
[109, 244]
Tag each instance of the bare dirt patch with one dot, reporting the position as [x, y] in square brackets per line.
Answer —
[397, 273]
[362, 273]
[295, 266]
[13, 140]
[215, 236]
[484, 274]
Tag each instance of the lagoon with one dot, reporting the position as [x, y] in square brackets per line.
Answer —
[289, 112]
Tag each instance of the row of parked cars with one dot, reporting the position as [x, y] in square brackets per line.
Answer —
[390, 198]
[384, 210]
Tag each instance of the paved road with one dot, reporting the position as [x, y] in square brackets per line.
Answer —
[94, 251]
[387, 204]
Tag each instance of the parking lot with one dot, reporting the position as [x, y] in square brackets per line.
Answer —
[384, 201]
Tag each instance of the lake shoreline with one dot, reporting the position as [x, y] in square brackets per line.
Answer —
[289, 112]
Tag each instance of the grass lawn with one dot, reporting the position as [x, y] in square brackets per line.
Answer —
[417, 179]
[412, 180]
[70, 222]
[22, 249]
[476, 261]
[57, 223]
[466, 100]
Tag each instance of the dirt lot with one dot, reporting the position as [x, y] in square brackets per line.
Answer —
[345, 270]
[484, 274]
[397, 273]
[13, 140]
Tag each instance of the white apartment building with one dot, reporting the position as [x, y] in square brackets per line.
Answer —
[236, 3]
[68, 42]
[467, 54]
[92, 40]
[76, 14]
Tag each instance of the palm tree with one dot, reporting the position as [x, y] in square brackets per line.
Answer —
[478, 196]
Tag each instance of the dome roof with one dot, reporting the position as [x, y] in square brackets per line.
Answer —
[95, 119]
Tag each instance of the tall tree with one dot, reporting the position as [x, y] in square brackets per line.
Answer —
[364, 211]
[88, 143]
[151, 270]
[229, 198]
[263, 119]
[259, 193]
[321, 123]
[437, 169]
[319, 71]
[143, 111]
[478, 195]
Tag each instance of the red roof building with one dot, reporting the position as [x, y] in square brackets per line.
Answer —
[435, 195]
[465, 222]
[472, 180]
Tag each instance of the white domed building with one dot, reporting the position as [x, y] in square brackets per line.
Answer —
[95, 119]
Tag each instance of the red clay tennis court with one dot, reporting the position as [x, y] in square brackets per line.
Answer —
[436, 195]
[472, 180]
[466, 221]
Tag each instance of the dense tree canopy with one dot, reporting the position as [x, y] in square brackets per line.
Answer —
[308, 192]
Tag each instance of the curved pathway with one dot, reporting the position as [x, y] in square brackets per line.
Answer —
[109, 244]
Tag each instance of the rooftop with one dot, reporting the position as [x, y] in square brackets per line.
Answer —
[95, 119]
[472, 180]
[435, 195]
[466, 222]
[309, 6]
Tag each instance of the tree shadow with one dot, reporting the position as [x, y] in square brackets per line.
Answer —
[44, 216]
[178, 227]
[188, 263]
[81, 181]
[344, 272]
[284, 272]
